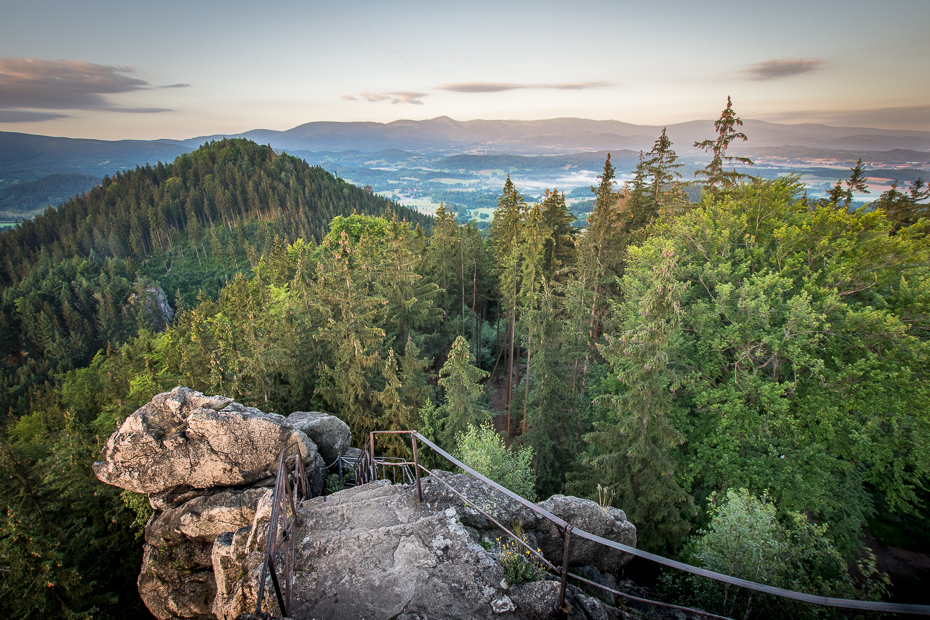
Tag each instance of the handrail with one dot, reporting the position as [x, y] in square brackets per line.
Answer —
[568, 532]
[291, 479]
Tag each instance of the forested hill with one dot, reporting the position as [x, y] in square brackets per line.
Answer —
[68, 274]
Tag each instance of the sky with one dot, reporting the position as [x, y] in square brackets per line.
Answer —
[181, 69]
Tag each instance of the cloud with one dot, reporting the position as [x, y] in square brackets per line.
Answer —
[28, 116]
[33, 83]
[915, 117]
[397, 96]
[496, 87]
[777, 68]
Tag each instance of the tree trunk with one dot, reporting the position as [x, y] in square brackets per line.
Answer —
[513, 320]
[474, 317]
[526, 393]
[462, 261]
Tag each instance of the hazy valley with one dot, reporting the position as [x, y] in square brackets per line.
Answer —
[463, 164]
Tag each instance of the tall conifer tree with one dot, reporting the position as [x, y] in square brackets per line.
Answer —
[460, 379]
[715, 177]
[634, 447]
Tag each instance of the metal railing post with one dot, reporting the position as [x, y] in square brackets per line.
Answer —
[416, 467]
[371, 454]
[277, 586]
[566, 554]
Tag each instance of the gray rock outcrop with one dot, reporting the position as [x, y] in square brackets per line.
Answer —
[331, 434]
[153, 304]
[177, 581]
[609, 523]
[207, 464]
[185, 438]
[204, 518]
[499, 506]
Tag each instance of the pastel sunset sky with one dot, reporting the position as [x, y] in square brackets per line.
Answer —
[179, 69]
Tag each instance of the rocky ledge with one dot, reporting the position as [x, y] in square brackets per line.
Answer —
[374, 551]
[207, 464]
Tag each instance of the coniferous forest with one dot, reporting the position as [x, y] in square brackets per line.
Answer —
[755, 361]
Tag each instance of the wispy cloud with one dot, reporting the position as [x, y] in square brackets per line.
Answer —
[28, 116]
[780, 68]
[496, 87]
[32, 83]
[397, 96]
[902, 117]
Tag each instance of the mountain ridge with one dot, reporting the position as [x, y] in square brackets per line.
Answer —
[554, 135]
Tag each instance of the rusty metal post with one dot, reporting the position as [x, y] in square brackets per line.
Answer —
[566, 553]
[416, 466]
[371, 463]
[277, 586]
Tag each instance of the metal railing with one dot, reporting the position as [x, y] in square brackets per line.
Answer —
[366, 470]
[291, 487]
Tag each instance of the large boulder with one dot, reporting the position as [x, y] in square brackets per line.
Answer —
[330, 434]
[204, 518]
[183, 438]
[609, 523]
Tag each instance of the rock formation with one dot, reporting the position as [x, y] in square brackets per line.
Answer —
[183, 438]
[609, 523]
[329, 433]
[375, 552]
[207, 464]
[153, 305]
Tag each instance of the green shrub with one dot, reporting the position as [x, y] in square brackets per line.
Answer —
[482, 449]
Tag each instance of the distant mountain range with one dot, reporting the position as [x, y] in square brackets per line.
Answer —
[561, 135]
[25, 157]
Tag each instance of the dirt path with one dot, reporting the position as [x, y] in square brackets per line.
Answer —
[497, 389]
[909, 571]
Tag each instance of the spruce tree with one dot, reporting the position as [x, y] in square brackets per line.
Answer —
[634, 448]
[441, 267]
[531, 250]
[600, 253]
[503, 239]
[552, 426]
[560, 247]
[715, 177]
[904, 208]
[349, 336]
[840, 197]
[666, 192]
[656, 190]
[460, 379]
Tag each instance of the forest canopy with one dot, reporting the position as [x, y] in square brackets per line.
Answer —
[670, 352]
